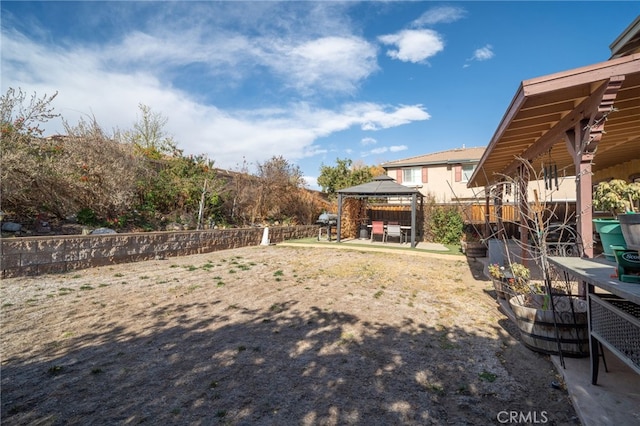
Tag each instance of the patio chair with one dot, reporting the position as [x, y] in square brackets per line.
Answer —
[377, 228]
[393, 231]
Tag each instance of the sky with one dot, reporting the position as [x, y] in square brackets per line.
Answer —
[312, 81]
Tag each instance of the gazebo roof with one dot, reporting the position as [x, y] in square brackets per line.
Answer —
[381, 186]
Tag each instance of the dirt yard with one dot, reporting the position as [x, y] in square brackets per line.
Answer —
[276, 335]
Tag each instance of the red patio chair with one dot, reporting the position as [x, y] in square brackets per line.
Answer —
[377, 228]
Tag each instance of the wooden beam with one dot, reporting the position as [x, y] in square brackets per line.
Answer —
[582, 142]
[599, 117]
[514, 107]
[587, 108]
[585, 75]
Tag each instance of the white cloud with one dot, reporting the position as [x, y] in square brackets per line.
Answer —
[413, 45]
[484, 53]
[109, 80]
[383, 149]
[376, 118]
[368, 141]
[87, 86]
[442, 14]
[380, 150]
[336, 64]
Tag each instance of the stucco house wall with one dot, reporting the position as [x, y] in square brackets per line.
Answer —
[445, 174]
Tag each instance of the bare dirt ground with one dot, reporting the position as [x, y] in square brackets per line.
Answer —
[275, 335]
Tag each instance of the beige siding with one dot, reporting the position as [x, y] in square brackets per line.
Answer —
[443, 186]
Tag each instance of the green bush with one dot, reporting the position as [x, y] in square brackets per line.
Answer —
[446, 224]
[87, 217]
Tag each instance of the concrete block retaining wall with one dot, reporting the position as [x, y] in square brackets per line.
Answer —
[43, 255]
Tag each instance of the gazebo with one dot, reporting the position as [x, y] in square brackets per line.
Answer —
[382, 186]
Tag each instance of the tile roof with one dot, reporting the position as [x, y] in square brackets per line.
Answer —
[458, 155]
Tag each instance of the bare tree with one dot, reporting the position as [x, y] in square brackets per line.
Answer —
[25, 161]
[279, 182]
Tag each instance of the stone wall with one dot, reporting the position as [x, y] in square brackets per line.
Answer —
[43, 255]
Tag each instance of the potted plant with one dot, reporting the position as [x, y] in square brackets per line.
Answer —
[616, 197]
[510, 280]
[537, 315]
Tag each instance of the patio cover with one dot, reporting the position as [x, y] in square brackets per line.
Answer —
[382, 186]
[584, 120]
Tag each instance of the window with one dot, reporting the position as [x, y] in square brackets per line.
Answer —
[467, 171]
[412, 176]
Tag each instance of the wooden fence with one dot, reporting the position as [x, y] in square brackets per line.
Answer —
[554, 212]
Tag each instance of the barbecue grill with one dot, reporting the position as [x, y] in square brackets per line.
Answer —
[326, 221]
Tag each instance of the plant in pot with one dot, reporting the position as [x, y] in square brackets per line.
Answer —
[552, 324]
[539, 312]
[616, 197]
[510, 280]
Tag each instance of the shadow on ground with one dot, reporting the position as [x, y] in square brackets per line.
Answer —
[306, 368]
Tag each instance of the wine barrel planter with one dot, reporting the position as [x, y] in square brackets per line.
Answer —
[537, 327]
[474, 249]
[502, 288]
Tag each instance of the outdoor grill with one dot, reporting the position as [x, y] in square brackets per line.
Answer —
[326, 221]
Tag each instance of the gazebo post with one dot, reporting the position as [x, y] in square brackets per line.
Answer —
[413, 220]
[339, 217]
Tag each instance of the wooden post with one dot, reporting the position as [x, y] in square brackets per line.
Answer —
[487, 214]
[584, 191]
[523, 182]
[498, 201]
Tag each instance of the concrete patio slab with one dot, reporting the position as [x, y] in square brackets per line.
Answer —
[614, 401]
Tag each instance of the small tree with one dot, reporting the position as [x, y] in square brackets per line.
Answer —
[343, 175]
[149, 136]
[279, 182]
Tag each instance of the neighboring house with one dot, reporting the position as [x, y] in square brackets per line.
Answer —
[443, 175]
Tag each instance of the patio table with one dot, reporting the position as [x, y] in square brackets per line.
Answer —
[614, 311]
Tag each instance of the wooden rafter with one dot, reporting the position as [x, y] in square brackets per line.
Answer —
[601, 98]
[544, 108]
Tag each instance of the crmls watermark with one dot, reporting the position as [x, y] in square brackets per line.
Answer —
[515, 417]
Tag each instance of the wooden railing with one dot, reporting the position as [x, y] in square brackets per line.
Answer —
[476, 213]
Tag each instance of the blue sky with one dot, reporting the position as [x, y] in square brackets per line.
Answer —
[311, 81]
